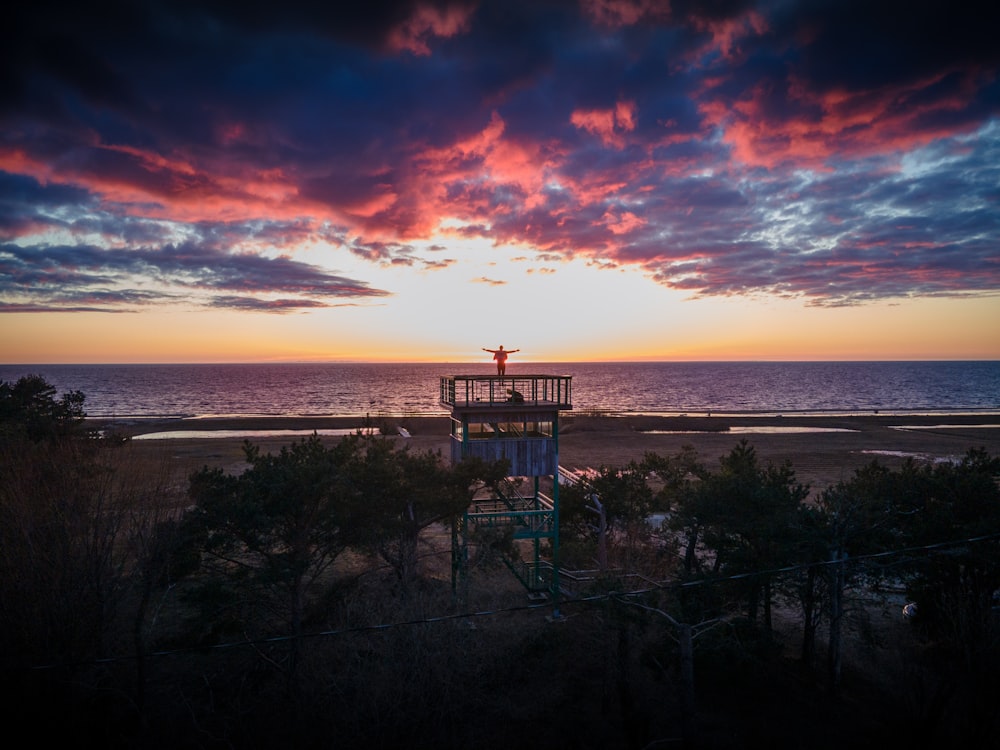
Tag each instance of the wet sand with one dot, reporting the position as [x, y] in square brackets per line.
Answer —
[821, 449]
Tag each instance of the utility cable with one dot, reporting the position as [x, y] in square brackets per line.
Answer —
[933, 549]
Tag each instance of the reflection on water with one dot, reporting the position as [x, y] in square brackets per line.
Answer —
[766, 429]
[188, 434]
[761, 429]
[943, 426]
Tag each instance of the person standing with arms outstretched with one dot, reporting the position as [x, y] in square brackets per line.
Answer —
[501, 357]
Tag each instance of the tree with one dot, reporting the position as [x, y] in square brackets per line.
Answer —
[746, 514]
[29, 408]
[612, 509]
[399, 493]
[165, 546]
[85, 540]
[852, 518]
[280, 524]
[61, 515]
[958, 503]
[951, 521]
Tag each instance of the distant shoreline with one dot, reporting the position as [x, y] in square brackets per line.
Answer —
[822, 449]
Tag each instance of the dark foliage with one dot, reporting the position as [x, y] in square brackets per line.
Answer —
[29, 409]
[276, 645]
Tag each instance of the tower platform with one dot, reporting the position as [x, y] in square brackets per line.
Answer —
[514, 418]
[462, 392]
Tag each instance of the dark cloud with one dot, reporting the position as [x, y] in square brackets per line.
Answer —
[838, 151]
[855, 44]
[370, 23]
[65, 274]
[256, 304]
[16, 307]
[26, 205]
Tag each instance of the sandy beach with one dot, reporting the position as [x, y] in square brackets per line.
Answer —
[821, 449]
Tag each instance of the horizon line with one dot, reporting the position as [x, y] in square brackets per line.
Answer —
[489, 364]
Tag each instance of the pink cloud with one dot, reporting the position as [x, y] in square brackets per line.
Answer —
[622, 222]
[727, 33]
[609, 125]
[19, 161]
[841, 123]
[460, 180]
[174, 186]
[428, 21]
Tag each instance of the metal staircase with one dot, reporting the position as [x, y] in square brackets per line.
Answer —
[515, 419]
[528, 518]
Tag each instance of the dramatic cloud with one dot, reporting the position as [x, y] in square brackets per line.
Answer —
[193, 152]
[63, 276]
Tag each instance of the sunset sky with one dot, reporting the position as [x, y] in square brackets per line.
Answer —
[579, 179]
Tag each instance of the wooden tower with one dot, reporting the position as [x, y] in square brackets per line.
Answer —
[517, 418]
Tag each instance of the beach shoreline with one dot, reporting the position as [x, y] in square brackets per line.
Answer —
[821, 449]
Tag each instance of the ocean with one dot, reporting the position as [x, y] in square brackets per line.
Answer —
[357, 389]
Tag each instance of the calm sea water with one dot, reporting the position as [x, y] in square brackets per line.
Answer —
[126, 391]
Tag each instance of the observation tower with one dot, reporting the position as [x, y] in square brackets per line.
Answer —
[516, 418]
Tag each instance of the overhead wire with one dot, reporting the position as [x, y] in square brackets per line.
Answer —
[933, 548]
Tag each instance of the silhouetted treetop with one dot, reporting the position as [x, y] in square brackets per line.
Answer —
[30, 409]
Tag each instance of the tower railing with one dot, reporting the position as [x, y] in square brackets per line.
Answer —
[553, 391]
